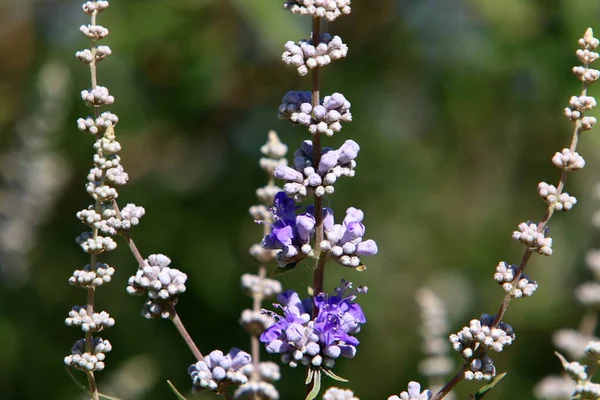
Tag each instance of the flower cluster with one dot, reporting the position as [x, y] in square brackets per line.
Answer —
[88, 354]
[562, 202]
[334, 393]
[160, 283]
[529, 235]
[291, 233]
[320, 341]
[413, 393]
[305, 178]
[327, 9]
[304, 55]
[84, 360]
[505, 275]
[219, 369]
[473, 341]
[324, 118]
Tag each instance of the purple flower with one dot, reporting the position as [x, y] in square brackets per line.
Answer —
[321, 340]
[290, 233]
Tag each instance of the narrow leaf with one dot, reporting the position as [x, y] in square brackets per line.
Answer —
[316, 385]
[332, 375]
[309, 376]
[177, 394]
[486, 388]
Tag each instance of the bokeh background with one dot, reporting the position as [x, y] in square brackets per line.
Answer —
[457, 108]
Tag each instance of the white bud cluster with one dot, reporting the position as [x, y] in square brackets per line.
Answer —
[477, 332]
[254, 285]
[157, 280]
[562, 202]
[529, 235]
[87, 56]
[99, 125]
[505, 274]
[326, 118]
[95, 245]
[102, 193]
[304, 55]
[588, 75]
[94, 32]
[216, 369]
[78, 316]
[481, 368]
[96, 97]
[413, 393]
[88, 277]
[328, 9]
[588, 294]
[568, 160]
[98, 6]
[587, 390]
[592, 350]
[587, 56]
[575, 370]
[84, 361]
[577, 106]
[334, 393]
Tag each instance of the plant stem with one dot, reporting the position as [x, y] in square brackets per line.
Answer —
[185, 335]
[319, 271]
[449, 386]
[577, 129]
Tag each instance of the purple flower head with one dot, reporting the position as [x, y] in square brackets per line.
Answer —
[290, 233]
[340, 307]
[329, 336]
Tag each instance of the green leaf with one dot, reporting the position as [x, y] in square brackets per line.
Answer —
[486, 388]
[330, 374]
[309, 376]
[177, 394]
[316, 379]
[283, 270]
[361, 268]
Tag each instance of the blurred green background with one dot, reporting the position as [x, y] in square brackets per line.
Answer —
[457, 107]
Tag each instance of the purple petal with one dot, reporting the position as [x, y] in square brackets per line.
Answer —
[354, 230]
[366, 248]
[305, 224]
[289, 174]
[348, 151]
[328, 161]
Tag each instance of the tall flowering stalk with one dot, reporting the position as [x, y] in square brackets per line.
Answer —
[161, 284]
[316, 331]
[88, 354]
[489, 333]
